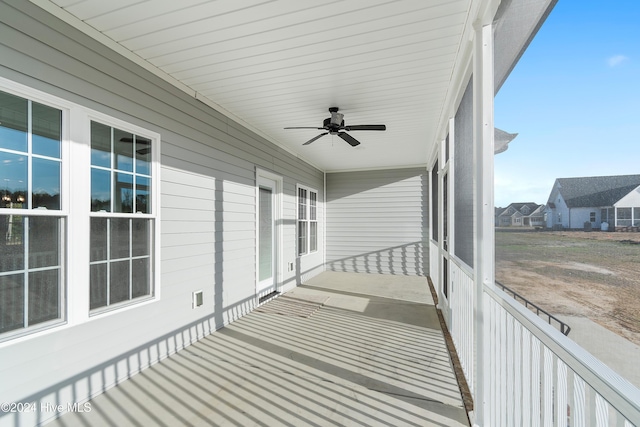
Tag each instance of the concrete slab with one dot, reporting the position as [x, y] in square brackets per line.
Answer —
[619, 354]
[360, 359]
[405, 288]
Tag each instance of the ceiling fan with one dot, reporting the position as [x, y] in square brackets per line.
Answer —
[143, 143]
[334, 125]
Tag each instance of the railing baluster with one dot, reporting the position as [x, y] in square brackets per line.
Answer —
[535, 382]
[509, 362]
[561, 393]
[547, 396]
[517, 378]
[491, 310]
[503, 365]
[602, 411]
[526, 378]
[578, 414]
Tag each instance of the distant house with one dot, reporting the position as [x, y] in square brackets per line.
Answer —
[520, 215]
[614, 200]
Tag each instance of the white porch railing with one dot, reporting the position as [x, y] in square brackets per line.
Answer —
[434, 262]
[462, 327]
[539, 377]
[534, 375]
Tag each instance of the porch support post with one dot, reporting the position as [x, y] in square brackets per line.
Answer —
[484, 208]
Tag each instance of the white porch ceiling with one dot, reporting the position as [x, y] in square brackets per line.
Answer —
[278, 63]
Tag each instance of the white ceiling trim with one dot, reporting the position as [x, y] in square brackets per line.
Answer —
[381, 168]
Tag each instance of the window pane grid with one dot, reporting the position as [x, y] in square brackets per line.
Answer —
[30, 153]
[107, 261]
[313, 236]
[302, 237]
[307, 221]
[30, 274]
[120, 267]
[312, 206]
[120, 171]
[302, 204]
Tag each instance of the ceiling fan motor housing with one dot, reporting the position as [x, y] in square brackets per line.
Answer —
[333, 126]
[336, 118]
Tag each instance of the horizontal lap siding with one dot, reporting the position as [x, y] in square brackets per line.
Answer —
[207, 212]
[376, 221]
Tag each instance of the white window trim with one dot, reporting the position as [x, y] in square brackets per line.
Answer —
[34, 95]
[155, 209]
[308, 221]
[75, 195]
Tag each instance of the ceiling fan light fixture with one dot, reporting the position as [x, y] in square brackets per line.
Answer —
[336, 118]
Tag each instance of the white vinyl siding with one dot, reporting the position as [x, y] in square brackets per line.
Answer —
[204, 217]
[376, 221]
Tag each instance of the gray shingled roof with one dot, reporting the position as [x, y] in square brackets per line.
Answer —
[595, 191]
[518, 207]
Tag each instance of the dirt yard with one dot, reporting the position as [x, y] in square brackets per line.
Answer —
[593, 274]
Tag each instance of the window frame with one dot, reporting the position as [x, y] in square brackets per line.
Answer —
[624, 216]
[75, 213]
[153, 216]
[307, 221]
[33, 95]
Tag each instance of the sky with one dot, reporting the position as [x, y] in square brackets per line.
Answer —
[573, 99]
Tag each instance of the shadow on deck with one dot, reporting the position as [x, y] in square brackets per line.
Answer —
[342, 350]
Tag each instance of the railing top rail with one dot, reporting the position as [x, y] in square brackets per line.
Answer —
[620, 393]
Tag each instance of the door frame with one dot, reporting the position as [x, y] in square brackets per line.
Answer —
[266, 178]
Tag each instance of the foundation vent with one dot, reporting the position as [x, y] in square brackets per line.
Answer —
[197, 299]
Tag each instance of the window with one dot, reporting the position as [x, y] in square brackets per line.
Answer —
[111, 212]
[624, 217]
[32, 247]
[307, 220]
[121, 230]
[592, 217]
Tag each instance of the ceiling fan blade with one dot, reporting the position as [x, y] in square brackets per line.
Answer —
[304, 128]
[365, 127]
[350, 140]
[313, 139]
